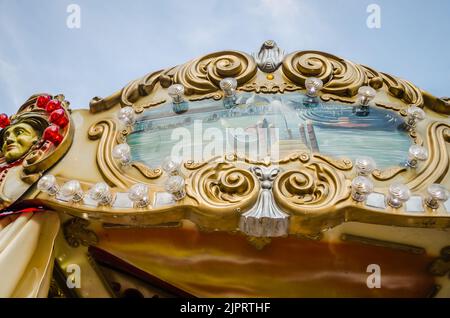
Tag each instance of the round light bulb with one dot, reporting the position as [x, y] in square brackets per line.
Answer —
[313, 86]
[101, 193]
[122, 153]
[364, 166]
[175, 185]
[437, 193]
[138, 193]
[366, 94]
[416, 153]
[127, 116]
[398, 194]
[414, 115]
[415, 112]
[72, 190]
[176, 92]
[361, 188]
[48, 184]
[228, 85]
[171, 166]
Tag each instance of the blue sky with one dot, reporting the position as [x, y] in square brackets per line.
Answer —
[122, 40]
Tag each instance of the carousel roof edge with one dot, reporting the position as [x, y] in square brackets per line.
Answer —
[268, 71]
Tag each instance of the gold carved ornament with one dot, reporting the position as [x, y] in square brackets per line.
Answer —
[311, 188]
[201, 78]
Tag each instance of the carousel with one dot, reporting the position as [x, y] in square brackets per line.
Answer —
[232, 175]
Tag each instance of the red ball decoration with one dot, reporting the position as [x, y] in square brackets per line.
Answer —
[43, 100]
[51, 133]
[52, 105]
[59, 118]
[4, 121]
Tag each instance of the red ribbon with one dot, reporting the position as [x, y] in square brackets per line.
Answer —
[26, 210]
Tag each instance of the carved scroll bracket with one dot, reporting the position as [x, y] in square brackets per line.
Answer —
[265, 219]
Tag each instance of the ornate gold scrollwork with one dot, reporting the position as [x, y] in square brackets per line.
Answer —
[146, 171]
[202, 75]
[269, 88]
[303, 157]
[387, 174]
[225, 187]
[438, 164]
[307, 184]
[439, 105]
[303, 186]
[403, 90]
[138, 88]
[313, 187]
[106, 131]
[193, 165]
[201, 78]
[340, 77]
[342, 164]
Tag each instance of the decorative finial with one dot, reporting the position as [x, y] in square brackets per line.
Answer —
[269, 57]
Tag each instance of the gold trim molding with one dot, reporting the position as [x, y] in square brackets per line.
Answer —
[311, 188]
[201, 78]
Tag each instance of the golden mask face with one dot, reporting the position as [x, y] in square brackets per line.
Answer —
[18, 140]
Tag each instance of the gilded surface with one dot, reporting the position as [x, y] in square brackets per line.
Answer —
[312, 188]
[201, 78]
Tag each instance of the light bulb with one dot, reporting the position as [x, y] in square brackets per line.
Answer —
[171, 166]
[127, 116]
[313, 86]
[416, 153]
[228, 86]
[138, 193]
[365, 95]
[437, 193]
[48, 184]
[101, 193]
[361, 188]
[415, 113]
[72, 190]
[175, 185]
[122, 153]
[364, 166]
[398, 194]
[176, 92]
